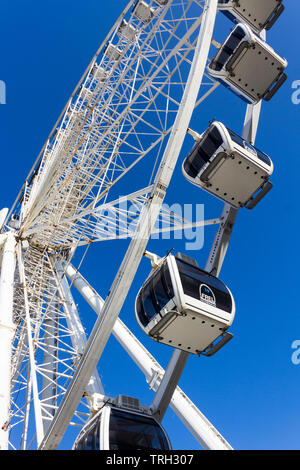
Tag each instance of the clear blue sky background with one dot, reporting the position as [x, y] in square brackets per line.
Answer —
[250, 389]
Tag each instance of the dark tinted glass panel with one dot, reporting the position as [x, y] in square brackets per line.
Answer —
[89, 443]
[262, 156]
[140, 311]
[148, 302]
[192, 278]
[195, 162]
[235, 137]
[79, 445]
[154, 295]
[128, 431]
[203, 152]
[160, 291]
[166, 280]
[239, 140]
[90, 440]
[97, 436]
[227, 49]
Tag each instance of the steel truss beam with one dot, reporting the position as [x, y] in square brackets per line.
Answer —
[124, 278]
[101, 135]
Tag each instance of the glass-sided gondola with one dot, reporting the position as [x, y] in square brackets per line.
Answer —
[259, 14]
[228, 167]
[185, 307]
[120, 429]
[144, 11]
[248, 66]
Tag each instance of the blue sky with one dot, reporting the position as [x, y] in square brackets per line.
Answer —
[249, 390]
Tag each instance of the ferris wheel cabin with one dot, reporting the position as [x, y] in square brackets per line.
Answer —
[143, 12]
[185, 307]
[228, 167]
[121, 428]
[259, 14]
[248, 66]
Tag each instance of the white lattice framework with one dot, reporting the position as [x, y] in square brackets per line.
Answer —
[123, 111]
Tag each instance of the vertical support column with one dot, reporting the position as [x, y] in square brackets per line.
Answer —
[221, 241]
[74, 323]
[213, 265]
[50, 361]
[31, 350]
[229, 214]
[179, 358]
[169, 383]
[7, 329]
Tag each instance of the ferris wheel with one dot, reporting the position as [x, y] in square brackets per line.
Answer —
[133, 105]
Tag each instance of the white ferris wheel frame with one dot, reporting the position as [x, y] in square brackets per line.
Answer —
[85, 380]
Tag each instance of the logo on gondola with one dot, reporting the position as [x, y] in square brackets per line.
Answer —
[249, 147]
[207, 295]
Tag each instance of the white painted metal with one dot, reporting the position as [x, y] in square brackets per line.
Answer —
[168, 384]
[110, 220]
[7, 329]
[3, 215]
[108, 133]
[31, 347]
[104, 324]
[107, 120]
[62, 195]
[79, 337]
[49, 382]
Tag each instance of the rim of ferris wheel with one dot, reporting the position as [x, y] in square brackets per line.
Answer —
[257, 14]
[120, 426]
[248, 66]
[228, 167]
[185, 307]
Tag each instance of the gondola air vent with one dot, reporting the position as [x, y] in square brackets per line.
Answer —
[127, 402]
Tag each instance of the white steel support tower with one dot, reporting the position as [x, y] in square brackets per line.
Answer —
[133, 103]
